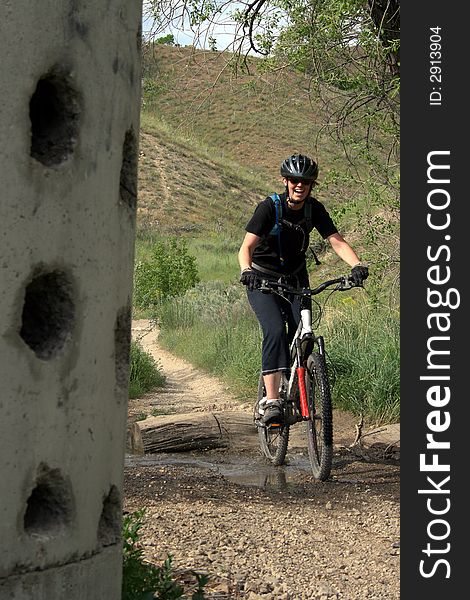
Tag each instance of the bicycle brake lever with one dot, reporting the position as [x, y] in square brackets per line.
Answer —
[346, 283]
[264, 286]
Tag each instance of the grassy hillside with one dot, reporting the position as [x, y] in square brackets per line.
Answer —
[213, 141]
[256, 119]
[185, 187]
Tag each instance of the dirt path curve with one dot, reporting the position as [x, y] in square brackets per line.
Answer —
[284, 536]
[187, 389]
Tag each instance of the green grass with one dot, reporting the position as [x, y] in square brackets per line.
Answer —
[216, 255]
[216, 258]
[363, 350]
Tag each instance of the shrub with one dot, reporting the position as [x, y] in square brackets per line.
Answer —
[144, 372]
[169, 272]
[168, 40]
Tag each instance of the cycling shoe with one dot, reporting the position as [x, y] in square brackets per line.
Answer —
[272, 413]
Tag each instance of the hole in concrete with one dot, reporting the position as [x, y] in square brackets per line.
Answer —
[54, 113]
[128, 179]
[109, 528]
[122, 342]
[48, 313]
[50, 506]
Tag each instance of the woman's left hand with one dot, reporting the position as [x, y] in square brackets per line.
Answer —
[359, 274]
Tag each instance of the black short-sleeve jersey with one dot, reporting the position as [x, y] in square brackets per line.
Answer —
[294, 236]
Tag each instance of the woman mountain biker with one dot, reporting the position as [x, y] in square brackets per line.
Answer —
[275, 244]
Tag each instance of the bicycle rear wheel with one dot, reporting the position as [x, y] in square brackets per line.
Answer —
[319, 428]
[273, 441]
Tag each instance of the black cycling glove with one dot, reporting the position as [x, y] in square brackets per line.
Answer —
[249, 279]
[359, 274]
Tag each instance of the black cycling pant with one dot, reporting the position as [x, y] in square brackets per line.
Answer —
[273, 312]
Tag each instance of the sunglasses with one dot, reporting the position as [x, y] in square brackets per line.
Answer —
[296, 180]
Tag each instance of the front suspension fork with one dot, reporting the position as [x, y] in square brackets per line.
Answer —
[300, 370]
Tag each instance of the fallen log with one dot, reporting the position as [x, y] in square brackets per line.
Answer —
[191, 431]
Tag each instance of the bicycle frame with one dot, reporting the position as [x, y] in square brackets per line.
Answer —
[304, 338]
[304, 332]
[296, 350]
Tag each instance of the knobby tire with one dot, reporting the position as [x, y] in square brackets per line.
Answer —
[273, 441]
[319, 428]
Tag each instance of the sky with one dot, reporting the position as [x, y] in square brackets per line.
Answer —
[224, 32]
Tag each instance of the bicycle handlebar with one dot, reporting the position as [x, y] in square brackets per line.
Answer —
[343, 283]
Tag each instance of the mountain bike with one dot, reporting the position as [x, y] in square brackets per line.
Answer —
[304, 389]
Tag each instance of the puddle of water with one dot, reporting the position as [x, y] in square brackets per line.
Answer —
[263, 476]
[252, 472]
[165, 460]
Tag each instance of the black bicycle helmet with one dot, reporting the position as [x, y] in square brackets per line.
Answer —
[300, 167]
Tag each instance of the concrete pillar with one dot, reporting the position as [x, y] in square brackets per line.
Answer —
[69, 126]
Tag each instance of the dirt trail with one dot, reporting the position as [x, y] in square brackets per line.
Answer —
[284, 537]
[187, 389]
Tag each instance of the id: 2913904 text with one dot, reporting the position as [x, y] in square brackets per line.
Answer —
[435, 66]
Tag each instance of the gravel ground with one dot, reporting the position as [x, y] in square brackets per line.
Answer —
[281, 536]
[306, 540]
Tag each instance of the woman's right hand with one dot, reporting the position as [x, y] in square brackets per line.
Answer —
[249, 278]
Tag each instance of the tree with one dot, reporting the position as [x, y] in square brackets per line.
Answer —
[349, 48]
[168, 40]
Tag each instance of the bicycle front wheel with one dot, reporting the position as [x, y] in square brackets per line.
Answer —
[273, 441]
[319, 427]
